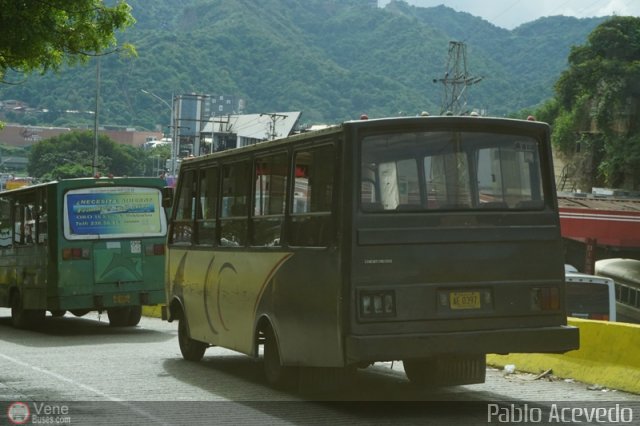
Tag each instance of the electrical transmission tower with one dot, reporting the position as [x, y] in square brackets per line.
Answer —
[456, 79]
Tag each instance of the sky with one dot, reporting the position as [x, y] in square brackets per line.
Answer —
[511, 13]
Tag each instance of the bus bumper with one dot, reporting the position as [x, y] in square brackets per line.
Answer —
[535, 340]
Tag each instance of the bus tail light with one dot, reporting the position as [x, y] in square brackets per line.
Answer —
[154, 249]
[545, 299]
[75, 253]
[378, 304]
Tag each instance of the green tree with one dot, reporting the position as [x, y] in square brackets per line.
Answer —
[44, 35]
[599, 94]
[71, 155]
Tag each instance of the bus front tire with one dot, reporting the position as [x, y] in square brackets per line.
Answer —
[192, 350]
[277, 375]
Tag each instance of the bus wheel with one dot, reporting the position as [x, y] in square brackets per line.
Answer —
[58, 313]
[24, 318]
[79, 312]
[135, 314]
[447, 370]
[420, 371]
[118, 317]
[192, 350]
[276, 374]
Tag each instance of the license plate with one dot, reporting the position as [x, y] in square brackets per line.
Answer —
[464, 300]
[121, 299]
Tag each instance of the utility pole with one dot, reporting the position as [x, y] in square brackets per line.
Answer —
[95, 121]
[272, 125]
[226, 130]
[456, 79]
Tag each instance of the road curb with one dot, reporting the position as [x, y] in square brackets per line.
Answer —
[609, 355]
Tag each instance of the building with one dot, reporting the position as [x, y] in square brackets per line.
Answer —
[234, 131]
[23, 136]
[192, 112]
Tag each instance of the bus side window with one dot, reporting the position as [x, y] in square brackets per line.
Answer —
[5, 223]
[24, 220]
[269, 200]
[311, 219]
[182, 227]
[208, 196]
[235, 204]
[42, 227]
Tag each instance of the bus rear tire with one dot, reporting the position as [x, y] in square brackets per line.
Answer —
[119, 317]
[56, 313]
[192, 350]
[24, 318]
[135, 314]
[448, 370]
[79, 312]
[277, 375]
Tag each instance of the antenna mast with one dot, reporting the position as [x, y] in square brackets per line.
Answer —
[455, 80]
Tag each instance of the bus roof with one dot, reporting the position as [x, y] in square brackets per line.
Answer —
[97, 181]
[372, 123]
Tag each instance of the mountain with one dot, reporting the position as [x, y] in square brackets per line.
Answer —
[330, 59]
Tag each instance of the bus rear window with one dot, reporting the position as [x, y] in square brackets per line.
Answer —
[114, 212]
[450, 171]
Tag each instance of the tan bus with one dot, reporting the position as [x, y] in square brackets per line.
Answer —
[431, 240]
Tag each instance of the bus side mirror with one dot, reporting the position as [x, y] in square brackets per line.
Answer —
[167, 197]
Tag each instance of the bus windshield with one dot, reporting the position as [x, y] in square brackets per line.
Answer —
[113, 212]
[450, 170]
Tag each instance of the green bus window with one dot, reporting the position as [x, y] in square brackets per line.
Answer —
[42, 227]
[185, 211]
[5, 223]
[30, 223]
[208, 196]
[269, 205]
[24, 221]
[311, 220]
[235, 204]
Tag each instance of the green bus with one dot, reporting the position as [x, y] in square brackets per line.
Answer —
[81, 245]
[431, 240]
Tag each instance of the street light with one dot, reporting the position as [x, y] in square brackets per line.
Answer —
[174, 151]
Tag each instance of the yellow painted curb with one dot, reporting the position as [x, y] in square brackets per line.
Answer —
[154, 311]
[609, 355]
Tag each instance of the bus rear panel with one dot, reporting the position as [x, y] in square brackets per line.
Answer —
[456, 243]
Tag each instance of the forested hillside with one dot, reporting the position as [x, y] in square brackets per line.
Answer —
[331, 59]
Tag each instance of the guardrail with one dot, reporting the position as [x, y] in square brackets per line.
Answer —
[609, 356]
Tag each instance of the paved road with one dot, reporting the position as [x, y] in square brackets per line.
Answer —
[107, 375]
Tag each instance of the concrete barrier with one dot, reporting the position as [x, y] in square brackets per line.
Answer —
[154, 311]
[609, 355]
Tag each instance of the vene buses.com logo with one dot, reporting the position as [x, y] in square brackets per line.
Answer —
[18, 413]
